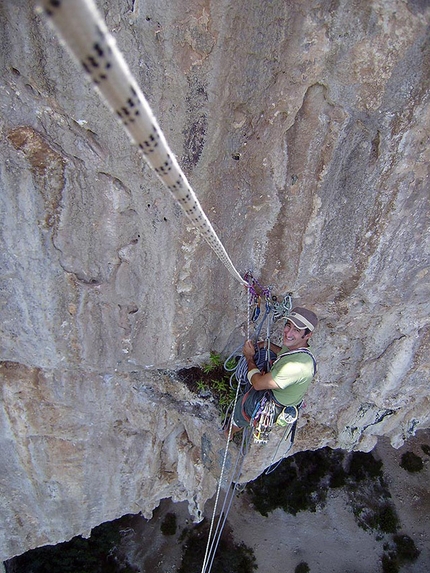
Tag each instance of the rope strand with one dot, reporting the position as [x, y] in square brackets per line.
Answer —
[85, 34]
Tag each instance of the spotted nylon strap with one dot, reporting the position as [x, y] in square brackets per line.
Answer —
[85, 34]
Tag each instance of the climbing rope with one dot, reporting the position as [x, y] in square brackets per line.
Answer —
[232, 486]
[85, 34]
[215, 529]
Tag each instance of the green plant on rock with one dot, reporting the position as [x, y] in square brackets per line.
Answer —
[215, 362]
[212, 378]
[201, 385]
[217, 380]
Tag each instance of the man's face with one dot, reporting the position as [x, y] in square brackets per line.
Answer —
[294, 337]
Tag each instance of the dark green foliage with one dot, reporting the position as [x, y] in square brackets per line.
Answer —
[93, 555]
[370, 497]
[338, 478]
[406, 548]
[390, 564]
[211, 380]
[411, 462]
[387, 519]
[301, 482]
[383, 518]
[302, 568]
[169, 525]
[293, 486]
[214, 364]
[364, 466]
[426, 449]
[404, 551]
[229, 558]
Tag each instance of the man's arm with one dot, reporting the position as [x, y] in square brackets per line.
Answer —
[258, 380]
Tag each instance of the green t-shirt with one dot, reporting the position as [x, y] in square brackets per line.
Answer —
[293, 374]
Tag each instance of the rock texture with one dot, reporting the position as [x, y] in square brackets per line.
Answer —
[304, 131]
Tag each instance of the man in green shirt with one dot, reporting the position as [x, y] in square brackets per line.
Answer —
[290, 375]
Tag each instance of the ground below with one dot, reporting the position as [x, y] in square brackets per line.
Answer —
[328, 540]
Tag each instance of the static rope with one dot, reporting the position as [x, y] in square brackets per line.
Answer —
[228, 500]
[208, 557]
[215, 532]
[85, 34]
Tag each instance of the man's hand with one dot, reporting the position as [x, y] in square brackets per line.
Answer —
[248, 350]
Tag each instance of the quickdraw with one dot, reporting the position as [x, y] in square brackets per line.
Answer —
[263, 421]
[258, 294]
[282, 309]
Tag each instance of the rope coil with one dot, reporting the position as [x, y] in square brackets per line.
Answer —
[80, 26]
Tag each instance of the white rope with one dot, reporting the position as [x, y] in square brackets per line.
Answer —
[213, 540]
[215, 533]
[207, 562]
[85, 34]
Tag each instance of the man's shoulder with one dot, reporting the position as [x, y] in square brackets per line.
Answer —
[301, 356]
[304, 352]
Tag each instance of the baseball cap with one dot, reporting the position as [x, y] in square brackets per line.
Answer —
[303, 318]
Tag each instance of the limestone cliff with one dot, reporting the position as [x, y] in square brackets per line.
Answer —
[304, 130]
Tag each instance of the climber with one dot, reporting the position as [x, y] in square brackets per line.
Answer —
[289, 376]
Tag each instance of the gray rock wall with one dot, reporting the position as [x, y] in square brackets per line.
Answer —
[304, 131]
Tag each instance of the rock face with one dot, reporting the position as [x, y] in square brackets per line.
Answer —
[304, 131]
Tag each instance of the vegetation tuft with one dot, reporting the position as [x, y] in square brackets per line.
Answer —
[390, 563]
[302, 567]
[295, 486]
[169, 524]
[411, 462]
[230, 557]
[302, 481]
[97, 554]
[426, 449]
[405, 548]
[211, 380]
[401, 552]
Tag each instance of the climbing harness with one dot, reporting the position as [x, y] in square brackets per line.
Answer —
[267, 411]
[260, 298]
[263, 420]
[85, 34]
